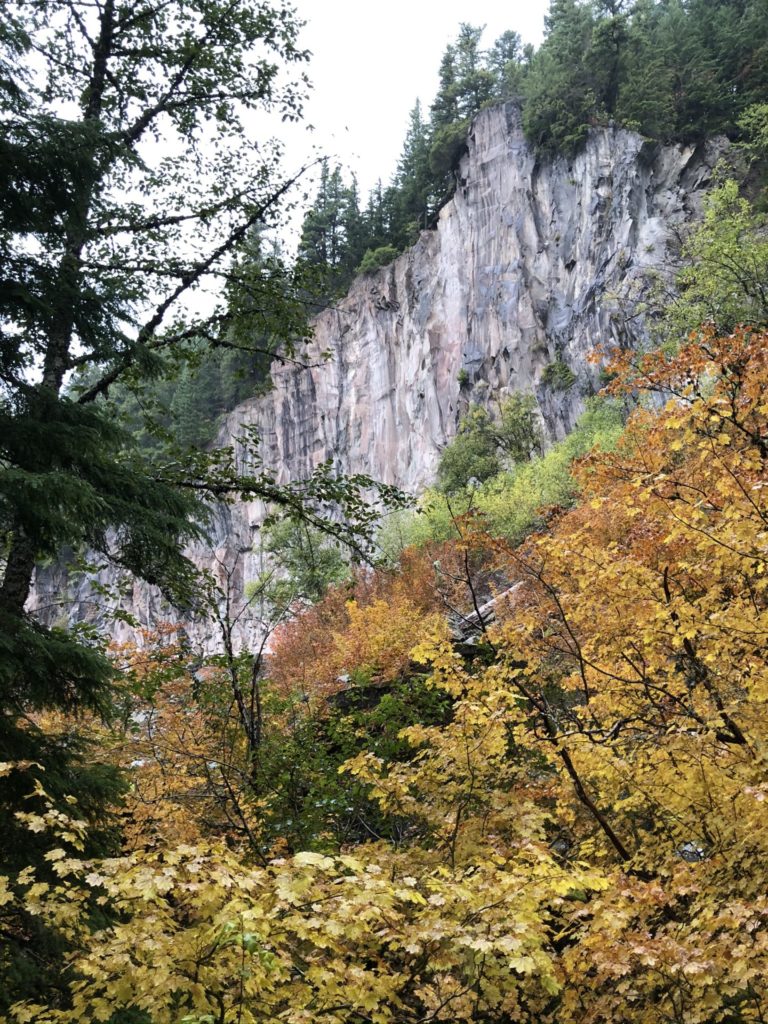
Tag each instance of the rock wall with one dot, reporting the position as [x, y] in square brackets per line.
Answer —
[531, 262]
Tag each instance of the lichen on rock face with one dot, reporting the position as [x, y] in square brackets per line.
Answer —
[532, 263]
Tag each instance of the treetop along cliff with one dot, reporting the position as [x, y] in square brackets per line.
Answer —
[577, 831]
[673, 71]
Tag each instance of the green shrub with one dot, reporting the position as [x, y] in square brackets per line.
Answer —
[558, 375]
[485, 443]
[510, 501]
[516, 430]
[471, 455]
[726, 266]
[374, 259]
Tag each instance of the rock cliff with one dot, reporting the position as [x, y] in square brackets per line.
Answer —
[531, 264]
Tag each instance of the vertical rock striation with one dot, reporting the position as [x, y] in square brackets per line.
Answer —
[532, 264]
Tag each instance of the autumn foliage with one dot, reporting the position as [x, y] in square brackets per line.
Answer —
[178, 756]
[367, 629]
[583, 838]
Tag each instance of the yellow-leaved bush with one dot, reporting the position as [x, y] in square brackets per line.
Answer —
[197, 935]
[583, 839]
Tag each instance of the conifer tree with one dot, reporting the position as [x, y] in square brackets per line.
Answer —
[605, 59]
[560, 93]
[413, 181]
[332, 234]
[102, 241]
[475, 82]
[700, 100]
[506, 61]
[645, 99]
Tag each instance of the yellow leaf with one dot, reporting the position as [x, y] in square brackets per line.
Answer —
[314, 859]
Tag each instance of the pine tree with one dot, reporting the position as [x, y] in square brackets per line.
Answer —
[506, 61]
[645, 99]
[475, 82]
[413, 181]
[752, 48]
[560, 95]
[354, 229]
[700, 97]
[445, 106]
[379, 216]
[605, 59]
[101, 245]
[332, 233]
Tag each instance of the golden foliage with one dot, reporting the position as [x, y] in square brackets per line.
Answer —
[179, 745]
[367, 629]
[584, 841]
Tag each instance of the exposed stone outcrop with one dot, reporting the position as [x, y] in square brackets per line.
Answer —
[531, 263]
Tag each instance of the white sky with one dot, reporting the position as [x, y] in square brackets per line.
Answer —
[370, 62]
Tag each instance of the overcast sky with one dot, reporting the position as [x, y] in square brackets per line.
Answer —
[371, 61]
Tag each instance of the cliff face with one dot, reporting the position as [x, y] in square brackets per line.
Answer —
[531, 263]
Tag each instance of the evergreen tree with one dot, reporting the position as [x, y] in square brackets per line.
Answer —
[727, 59]
[752, 48]
[354, 229]
[332, 233]
[561, 101]
[605, 58]
[322, 221]
[506, 61]
[195, 405]
[475, 84]
[413, 181]
[379, 216]
[466, 85]
[645, 99]
[101, 244]
[701, 101]
[466, 82]
[445, 106]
